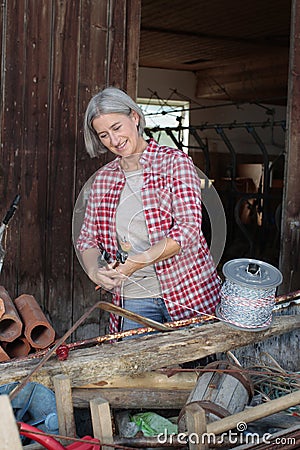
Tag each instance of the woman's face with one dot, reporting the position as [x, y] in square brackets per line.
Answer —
[119, 133]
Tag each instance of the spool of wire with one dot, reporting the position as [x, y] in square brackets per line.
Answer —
[248, 294]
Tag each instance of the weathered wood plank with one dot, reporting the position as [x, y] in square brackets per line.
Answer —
[63, 106]
[93, 76]
[9, 434]
[133, 398]
[133, 15]
[12, 115]
[34, 154]
[140, 355]
[64, 405]
[290, 255]
[149, 380]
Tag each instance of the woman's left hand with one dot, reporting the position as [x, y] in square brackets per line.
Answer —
[129, 267]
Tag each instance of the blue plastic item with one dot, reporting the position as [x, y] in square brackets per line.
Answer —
[35, 405]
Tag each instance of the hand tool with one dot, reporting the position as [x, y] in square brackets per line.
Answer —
[4, 225]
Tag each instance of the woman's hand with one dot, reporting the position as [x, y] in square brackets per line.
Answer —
[106, 277]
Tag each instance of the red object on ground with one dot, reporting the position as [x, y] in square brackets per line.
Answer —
[52, 444]
[83, 446]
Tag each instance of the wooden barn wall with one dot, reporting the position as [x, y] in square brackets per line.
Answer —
[55, 54]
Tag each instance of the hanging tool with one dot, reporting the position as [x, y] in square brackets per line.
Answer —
[4, 225]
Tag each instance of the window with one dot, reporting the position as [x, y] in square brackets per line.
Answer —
[167, 121]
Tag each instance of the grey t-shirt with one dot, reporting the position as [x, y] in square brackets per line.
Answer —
[133, 237]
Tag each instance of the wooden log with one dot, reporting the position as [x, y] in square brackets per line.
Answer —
[9, 433]
[144, 354]
[132, 398]
[148, 380]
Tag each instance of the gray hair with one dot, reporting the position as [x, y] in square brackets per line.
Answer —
[110, 100]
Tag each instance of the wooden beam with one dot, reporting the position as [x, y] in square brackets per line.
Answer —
[101, 420]
[64, 405]
[135, 356]
[290, 229]
[251, 79]
[9, 433]
[132, 398]
[196, 426]
[133, 19]
[254, 413]
[148, 380]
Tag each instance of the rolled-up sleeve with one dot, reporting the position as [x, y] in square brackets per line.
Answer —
[88, 233]
[186, 203]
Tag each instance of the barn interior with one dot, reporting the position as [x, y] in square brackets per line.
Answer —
[218, 81]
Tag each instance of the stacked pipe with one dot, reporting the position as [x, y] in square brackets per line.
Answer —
[23, 326]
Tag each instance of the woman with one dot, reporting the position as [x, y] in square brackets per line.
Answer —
[146, 205]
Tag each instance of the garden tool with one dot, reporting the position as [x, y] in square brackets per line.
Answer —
[4, 225]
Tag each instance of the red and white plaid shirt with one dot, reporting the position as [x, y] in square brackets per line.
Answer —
[171, 199]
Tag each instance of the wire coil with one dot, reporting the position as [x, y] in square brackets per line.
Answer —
[248, 293]
[245, 307]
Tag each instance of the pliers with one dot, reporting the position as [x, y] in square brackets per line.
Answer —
[121, 257]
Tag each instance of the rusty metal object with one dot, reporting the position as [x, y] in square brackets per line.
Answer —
[10, 323]
[3, 355]
[53, 350]
[114, 309]
[37, 329]
[18, 348]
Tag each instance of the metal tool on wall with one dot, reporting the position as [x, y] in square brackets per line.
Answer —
[4, 224]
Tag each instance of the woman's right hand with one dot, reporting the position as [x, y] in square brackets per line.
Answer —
[106, 277]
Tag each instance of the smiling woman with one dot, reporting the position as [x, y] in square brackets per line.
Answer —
[118, 133]
[145, 205]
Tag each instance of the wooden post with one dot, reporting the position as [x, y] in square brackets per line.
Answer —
[290, 229]
[9, 433]
[196, 427]
[101, 421]
[254, 413]
[64, 405]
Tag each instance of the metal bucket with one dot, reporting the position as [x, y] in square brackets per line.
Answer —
[248, 294]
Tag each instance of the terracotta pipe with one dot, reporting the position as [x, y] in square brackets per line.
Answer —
[2, 307]
[18, 348]
[10, 323]
[3, 355]
[38, 330]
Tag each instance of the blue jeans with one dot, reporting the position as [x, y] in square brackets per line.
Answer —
[152, 308]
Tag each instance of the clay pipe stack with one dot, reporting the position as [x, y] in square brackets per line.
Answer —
[23, 326]
[37, 329]
[10, 322]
